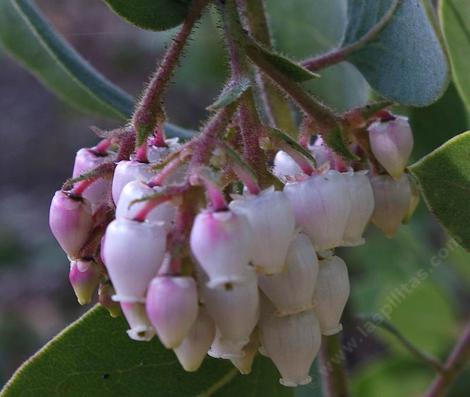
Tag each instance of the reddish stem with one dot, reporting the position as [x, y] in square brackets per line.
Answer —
[159, 138]
[102, 147]
[141, 153]
[149, 206]
[80, 187]
[166, 172]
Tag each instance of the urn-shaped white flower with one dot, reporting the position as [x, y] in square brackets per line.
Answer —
[140, 327]
[272, 220]
[133, 252]
[71, 221]
[135, 190]
[128, 171]
[321, 207]
[292, 290]
[392, 202]
[99, 192]
[292, 343]
[222, 242]
[331, 294]
[172, 307]
[391, 142]
[194, 347]
[235, 311]
[361, 197]
[285, 166]
[249, 351]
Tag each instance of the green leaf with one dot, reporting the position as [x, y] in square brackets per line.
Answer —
[151, 14]
[291, 69]
[455, 20]
[95, 357]
[292, 143]
[404, 62]
[444, 179]
[231, 92]
[335, 139]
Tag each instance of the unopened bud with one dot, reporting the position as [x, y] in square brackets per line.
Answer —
[133, 252]
[135, 190]
[292, 290]
[272, 220]
[140, 327]
[71, 221]
[84, 277]
[172, 307]
[285, 166]
[194, 347]
[361, 197]
[128, 171]
[331, 294]
[105, 294]
[321, 208]
[222, 242]
[391, 142]
[392, 202]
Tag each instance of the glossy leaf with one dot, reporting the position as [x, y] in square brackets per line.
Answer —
[151, 14]
[404, 62]
[95, 357]
[455, 20]
[444, 179]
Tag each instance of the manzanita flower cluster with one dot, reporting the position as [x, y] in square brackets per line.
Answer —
[216, 258]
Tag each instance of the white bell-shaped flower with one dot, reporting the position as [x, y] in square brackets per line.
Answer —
[292, 290]
[235, 311]
[321, 207]
[172, 307]
[272, 220]
[222, 242]
[331, 294]
[245, 362]
[194, 347]
[71, 222]
[285, 166]
[224, 348]
[128, 171]
[361, 197]
[391, 142]
[133, 252]
[135, 190]
[99, 192]
[292, 343]
[155, 154]
[140, 327]
[392, 202]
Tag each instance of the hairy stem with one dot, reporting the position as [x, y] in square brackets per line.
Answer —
[278, 111]
[455, 363]
[332, 371]
[149, 111]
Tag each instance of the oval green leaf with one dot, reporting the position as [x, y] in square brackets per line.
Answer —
[151, 14]
[455, 20]
[95, 357]
[405, 61]
[444, 180]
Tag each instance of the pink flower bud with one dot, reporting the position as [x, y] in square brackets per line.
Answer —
[292, 290]
[285, 166]
[331, 294]
[362, 206]
[222, 242]
[84, 276]
[321, 208]
[235, 312]
[128, 171]
[71, 221]
[99, 192]
[292, 342]
[272, 220]
[392, 202]
[140, 327]
[192, 351]
[135, 190]
[133, 252]
[172, 307]
[391, 142]
[105, 294]
[245, 363]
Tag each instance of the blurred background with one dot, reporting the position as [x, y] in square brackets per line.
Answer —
[40, 134]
